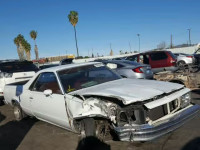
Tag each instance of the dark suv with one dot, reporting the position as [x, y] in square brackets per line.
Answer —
[158, 60]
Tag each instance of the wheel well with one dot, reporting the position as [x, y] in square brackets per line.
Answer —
[14, 102]
[181, 61]
[78, 122]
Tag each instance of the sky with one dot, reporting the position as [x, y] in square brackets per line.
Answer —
[101, 24]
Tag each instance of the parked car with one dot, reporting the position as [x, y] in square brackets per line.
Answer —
[44, 66]
[184, 59]
[197, 55]
[14, 71]
[129, 69]
[66, 61]
[92, 100]
[158, 60]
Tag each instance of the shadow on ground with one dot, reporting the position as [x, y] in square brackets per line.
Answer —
[2, 117]
[13, 132]
[92, 143]
[192, 145]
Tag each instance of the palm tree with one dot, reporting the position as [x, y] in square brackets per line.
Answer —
[20, 39]
[33, 35]
[27, 49]
[16, 41]
[73, 19]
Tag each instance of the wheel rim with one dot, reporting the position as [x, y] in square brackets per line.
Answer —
[17, 112]
[101, 131]
[181, 64]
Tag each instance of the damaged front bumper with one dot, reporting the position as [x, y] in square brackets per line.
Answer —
[148, 132]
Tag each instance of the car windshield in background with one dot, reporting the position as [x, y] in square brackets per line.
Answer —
[172, 55]
[11, 67]
[82, 77]
[131, 63]
[48, 66]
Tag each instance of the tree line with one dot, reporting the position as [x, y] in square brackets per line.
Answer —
[24, 48]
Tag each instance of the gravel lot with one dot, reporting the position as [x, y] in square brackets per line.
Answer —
[33, 134]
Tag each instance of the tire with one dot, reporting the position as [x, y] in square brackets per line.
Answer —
[181, 64]
[96, 129]
[18, 113]
[1, 102]
[89, 127]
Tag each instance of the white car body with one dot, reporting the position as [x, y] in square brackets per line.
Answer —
[66, 110]
[187, 59]
[12, 71]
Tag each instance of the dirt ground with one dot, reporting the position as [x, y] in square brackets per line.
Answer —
[31, 134]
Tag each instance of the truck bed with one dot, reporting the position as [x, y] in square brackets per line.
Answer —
[12, 91]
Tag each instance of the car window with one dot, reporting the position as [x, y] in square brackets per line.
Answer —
[46, 81]
[131, 63]
[66, 61]
[86, 76]
[132, 58]
[11, 67]
[172, 55]
[158, 56]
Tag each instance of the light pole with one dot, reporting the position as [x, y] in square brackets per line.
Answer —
[189, 36]
[139, 41]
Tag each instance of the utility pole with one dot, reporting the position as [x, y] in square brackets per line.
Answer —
[92, 53]
[189, 36]
[139, 41]
[171, 45]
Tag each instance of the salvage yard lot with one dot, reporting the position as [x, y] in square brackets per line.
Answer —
[34, 134]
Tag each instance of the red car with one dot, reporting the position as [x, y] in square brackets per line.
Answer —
[158, 60]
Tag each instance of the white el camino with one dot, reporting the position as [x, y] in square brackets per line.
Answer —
[91, 100]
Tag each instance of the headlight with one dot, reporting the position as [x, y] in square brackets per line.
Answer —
[185, 100]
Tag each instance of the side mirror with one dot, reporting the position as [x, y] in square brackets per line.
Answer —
[47, 92]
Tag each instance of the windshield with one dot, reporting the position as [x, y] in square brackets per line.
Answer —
[11, 67]
[131, 63]
[172, 55]
[86, 76]
[197, 51]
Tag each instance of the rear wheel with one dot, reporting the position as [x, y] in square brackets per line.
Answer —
[18, 113]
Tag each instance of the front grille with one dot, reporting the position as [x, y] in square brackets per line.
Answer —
[162, 110]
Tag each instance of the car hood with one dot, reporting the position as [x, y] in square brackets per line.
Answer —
[129, 90]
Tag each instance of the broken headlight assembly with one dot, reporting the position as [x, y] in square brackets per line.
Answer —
[185, 100]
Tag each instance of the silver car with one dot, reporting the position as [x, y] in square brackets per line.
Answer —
[183, 59]
[130, 69]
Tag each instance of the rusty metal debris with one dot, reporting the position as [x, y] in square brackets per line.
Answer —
[187, 75]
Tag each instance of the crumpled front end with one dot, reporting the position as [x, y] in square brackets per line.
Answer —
[146, 132]
[147, 121]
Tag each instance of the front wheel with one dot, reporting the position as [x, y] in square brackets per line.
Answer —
[95, 128]
[18, 113]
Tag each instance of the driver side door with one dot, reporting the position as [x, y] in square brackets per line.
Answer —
[50, 108]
